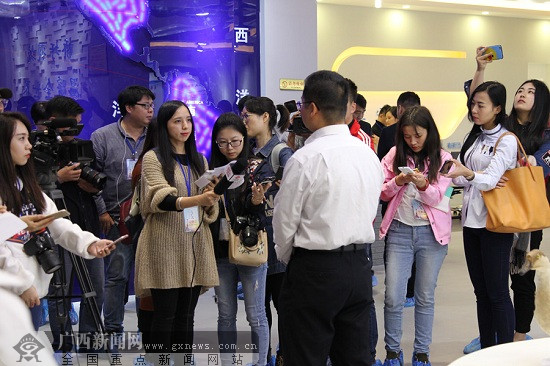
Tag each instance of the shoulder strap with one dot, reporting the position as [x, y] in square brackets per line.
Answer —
[274, 158]
[520, 146]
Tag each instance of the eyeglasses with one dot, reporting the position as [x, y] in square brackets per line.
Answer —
[245, 116]
[226, 144]
[301, 104]
[147, 105]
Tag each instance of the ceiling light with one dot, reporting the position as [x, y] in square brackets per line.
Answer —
[202, 14]
[378, 4]
[406, 6]
[484, 13]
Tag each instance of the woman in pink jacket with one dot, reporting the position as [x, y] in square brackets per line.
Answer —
[418, 225]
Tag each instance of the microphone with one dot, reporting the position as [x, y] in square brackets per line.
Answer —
[224, 183]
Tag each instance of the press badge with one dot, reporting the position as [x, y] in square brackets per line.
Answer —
[130, 164]
[191, 219]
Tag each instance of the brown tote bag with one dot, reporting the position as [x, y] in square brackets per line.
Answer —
[520, 206]
[247, 256]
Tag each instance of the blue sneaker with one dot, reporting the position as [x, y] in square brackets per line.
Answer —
[374, 280]
[474, 345]
[394, 359]
[422, 360]
[409, 302]
[73, 315]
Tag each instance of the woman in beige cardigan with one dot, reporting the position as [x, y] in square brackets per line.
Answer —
[175, 255]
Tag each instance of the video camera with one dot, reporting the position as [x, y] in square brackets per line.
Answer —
[50, 152]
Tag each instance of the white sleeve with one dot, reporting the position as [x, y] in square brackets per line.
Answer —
[505, 158]
[287, 213]
[70, 236]
[9, 263]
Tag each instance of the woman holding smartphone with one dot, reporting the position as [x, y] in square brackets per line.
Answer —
[175, 256]
[418, 226]
[260, 117]
[480, 168]
[21, 194]
[529, 120]
[230, 143]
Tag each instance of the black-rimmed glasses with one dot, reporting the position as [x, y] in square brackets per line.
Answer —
[233, 143]
[147, 105]
[300, 104]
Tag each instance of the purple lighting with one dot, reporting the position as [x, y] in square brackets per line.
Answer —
[117, 18]
[193, 94]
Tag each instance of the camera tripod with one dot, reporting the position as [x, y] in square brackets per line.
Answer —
[61, 286]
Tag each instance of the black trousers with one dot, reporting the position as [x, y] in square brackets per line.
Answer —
[488, 260]
[273, 284]
[173, 317]
[324, 308]
[524, 291]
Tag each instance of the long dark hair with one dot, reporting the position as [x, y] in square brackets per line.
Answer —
[227, 120]
[531, 134]
[165, 148]
[497, 93]
[415, 117]
[9, 172]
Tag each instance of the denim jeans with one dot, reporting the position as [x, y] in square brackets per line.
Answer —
[253, 281]
[406, 244]
[119, 265]
[488, 260]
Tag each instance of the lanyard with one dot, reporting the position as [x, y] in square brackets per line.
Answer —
[134, 150]
[188, 177]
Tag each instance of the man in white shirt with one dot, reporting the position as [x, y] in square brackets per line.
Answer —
[323, 216]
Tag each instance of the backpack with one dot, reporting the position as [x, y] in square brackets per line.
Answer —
[274, 157]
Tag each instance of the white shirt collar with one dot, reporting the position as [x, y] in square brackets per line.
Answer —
[339, 129]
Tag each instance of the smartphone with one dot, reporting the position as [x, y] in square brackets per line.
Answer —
[58, 214]
[279, 174]
[117, 241]
[267, 180]
[495, 52]
[406, 170]
[446, 167]
[291, 106]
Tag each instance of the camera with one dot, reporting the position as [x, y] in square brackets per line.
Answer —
[247, 228]
[41, 246]
[49, 152]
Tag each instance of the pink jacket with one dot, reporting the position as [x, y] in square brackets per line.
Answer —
[440, 221]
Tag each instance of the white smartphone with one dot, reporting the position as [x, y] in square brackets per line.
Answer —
[118, 241]
[58, 214]
[406, 170]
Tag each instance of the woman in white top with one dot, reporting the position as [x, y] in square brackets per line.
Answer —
[487, 253]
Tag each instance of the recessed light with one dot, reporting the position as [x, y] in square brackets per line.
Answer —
[406, 6]
[378, 4]
[484, 13]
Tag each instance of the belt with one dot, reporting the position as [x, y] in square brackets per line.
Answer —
[344, 248]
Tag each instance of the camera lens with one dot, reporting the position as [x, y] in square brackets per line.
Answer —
[95, 178]
[249, 236]
[41, 246]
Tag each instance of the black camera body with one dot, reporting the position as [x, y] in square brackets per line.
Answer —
[247, 228]
[50, 152]
[41, 246]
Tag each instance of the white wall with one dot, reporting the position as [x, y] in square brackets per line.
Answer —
[524, 41]
[288, 34]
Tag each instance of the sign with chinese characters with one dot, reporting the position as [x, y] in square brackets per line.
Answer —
[241, 34]
[291, 84]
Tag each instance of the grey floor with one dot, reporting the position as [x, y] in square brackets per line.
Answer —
[455, 318]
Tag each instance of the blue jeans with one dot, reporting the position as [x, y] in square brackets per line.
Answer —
[488, 260]
[119, 265]
[253, 281]
[406, 244]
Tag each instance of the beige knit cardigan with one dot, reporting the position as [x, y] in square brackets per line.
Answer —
[166, 255]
